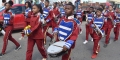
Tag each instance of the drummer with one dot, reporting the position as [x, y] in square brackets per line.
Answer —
[68, 31]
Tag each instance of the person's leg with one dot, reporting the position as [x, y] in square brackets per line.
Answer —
[87, 34]
[67, 55]
[5, 41]
[116, 32]
[108, 36]
[96, 48]
[41, 48]
[14, 41]
[29, 51]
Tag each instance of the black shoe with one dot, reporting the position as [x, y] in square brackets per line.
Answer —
[105, 45]
[1, 54]
[17, 48]
[115, 40]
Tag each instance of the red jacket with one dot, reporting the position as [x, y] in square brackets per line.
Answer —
[75, 31]
[80, 18]
[56, 12]
[109, 22]
[36, 28]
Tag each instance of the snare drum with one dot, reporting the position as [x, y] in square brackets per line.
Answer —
[56, 49]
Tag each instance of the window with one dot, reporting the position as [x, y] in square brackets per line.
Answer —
[17, 10]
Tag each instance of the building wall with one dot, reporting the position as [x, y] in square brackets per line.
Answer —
[116, 1]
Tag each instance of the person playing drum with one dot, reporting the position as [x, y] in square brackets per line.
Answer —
[67, 30]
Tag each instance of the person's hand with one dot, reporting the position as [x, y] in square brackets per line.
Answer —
[65, 48]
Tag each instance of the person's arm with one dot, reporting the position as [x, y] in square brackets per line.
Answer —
[36, 26]
[72, 38]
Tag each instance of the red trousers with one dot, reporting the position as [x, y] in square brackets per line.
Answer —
[116, 31]
[40, 45]
[96, 40]
[7, 37]
[54, 24]
[88, 31]
[107, 32]
[67, 56]
[46, 32]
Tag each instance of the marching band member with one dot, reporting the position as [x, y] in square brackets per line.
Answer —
[79, 14]
[117, 28]
[48, 15]
[99, 22]
[62, 11]
[27, 17]
[56, 14]
[110, 24]
[42, 3]
[89, 17]
[67, 30]
[35, 32]
[8, 27]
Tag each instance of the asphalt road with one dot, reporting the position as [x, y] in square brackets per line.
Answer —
[81, 51]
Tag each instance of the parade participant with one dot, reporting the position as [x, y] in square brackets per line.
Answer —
[67, 30]
[48, 15]
[117, 28]
[89, 17]
[8, 27]
[26, 13]
[62, 10]
[99, 22]
[79, 15]
[35, 32]
[56, 14]
[110, 24]
[42, 3]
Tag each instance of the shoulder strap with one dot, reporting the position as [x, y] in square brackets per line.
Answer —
[76, 20]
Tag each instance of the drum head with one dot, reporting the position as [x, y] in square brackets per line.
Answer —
[56, 47]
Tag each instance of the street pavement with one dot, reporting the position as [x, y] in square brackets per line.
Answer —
[80, 52]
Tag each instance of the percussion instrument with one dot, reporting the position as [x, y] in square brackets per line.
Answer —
[56, 49]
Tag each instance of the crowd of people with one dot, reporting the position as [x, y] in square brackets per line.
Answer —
[66, 26]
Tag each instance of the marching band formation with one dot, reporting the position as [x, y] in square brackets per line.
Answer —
[66, 27]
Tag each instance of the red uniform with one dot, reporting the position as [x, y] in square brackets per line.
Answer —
[109, 25]
[117, 28]
[56, 13]
[89, 30]
[8, 30]
[79, 15]
[101, 23]
[48, 15]
[64, 23]
[36, 36]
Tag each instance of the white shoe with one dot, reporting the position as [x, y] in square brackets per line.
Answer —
[85, 42]
[44, 59]
[80, 32]
[21, 38]
[92, 39]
